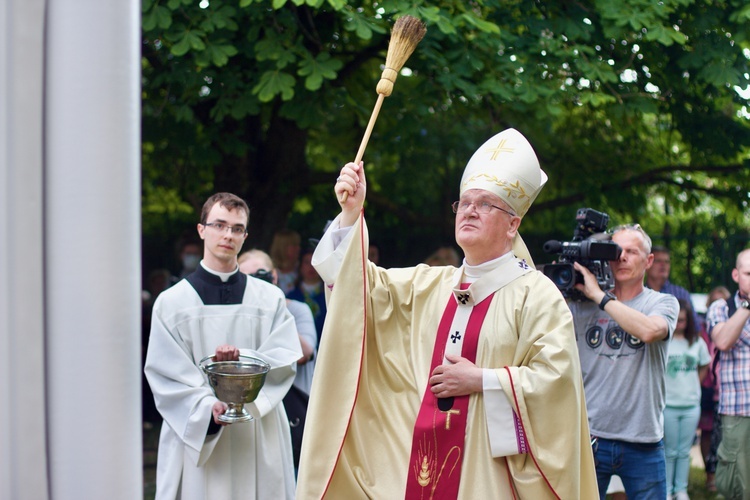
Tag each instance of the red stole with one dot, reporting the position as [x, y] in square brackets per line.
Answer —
[438, 439]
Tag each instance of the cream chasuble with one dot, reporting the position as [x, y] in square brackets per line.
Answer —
[374, 364]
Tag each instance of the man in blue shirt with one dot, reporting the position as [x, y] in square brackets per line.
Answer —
[657, 278]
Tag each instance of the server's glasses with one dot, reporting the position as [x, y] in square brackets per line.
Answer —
[220, 227]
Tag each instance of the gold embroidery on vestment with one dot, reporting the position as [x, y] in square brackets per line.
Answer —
[425, 466]
[425, 472]
[424, 475]
[513, 189]
[448, 417]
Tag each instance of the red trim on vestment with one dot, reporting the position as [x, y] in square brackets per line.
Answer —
[518, 414]
[362, 350]
[510, 478]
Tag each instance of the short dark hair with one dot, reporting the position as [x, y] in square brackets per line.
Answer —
[227, 200]
[660, 249]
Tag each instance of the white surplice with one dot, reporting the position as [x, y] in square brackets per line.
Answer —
[243, 460]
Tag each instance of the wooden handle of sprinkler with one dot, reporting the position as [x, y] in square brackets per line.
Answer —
[368, 132]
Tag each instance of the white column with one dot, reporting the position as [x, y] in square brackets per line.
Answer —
[92, 248]
[23, 463]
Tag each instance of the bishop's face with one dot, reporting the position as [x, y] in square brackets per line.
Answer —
[485, 226]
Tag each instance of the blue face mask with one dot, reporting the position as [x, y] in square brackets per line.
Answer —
[190, 262]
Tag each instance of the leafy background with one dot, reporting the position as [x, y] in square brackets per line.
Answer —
[638, 109]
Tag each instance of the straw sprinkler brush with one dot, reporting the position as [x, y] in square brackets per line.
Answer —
[407, 32]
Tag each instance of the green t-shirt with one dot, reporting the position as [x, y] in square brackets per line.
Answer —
[683, 361]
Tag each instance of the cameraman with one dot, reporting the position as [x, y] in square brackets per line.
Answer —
[622, 337]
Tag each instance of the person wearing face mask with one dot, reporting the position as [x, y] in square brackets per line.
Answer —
[448, 382]
[310, 290]
[190, 255]
[258, 264]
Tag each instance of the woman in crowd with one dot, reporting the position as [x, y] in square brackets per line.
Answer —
[687, 364]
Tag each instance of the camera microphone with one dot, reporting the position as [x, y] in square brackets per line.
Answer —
[552, 246]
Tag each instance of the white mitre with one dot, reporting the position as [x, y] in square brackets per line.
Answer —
[506, 165]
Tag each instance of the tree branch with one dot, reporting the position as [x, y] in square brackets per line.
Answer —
[652, 177]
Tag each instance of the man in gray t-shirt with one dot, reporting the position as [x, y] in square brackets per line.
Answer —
[622, 344]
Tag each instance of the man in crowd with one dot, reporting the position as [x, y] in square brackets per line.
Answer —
[258, 264]
[729, 327]
[219, 311]
[189, 255]
[310, 290]
[657, 278]
[447, 382]
[622, 337]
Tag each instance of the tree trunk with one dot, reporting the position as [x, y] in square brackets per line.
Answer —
[268, 178]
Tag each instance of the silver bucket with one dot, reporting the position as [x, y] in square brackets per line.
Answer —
[235, 383]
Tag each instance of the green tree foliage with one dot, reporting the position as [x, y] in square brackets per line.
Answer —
[632, 106]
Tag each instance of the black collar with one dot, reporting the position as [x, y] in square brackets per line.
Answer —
[213, 291]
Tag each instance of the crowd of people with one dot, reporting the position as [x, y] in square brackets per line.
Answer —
[465, 376]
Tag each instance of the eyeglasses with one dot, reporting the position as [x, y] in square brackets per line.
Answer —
[482, 207]
[220, 227]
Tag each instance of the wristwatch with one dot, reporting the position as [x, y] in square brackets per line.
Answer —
[744, 303]
[607, 297]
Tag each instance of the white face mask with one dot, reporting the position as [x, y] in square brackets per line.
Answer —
[190, 262]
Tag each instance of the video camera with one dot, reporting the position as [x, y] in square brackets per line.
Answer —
[590, 247]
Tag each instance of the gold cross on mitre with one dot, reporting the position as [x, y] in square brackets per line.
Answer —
[499, 149]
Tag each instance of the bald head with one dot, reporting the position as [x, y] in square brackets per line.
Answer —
[743, 259]
[254, 260]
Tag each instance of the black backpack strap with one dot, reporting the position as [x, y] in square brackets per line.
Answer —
[732, 306]
[732, 309]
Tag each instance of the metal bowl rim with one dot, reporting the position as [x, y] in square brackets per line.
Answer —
[254, 362]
